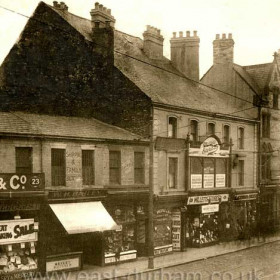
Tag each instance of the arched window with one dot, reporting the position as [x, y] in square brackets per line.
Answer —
[172, 127]
[240, 138]
[226, 134]
[194, 130]
[211, 129]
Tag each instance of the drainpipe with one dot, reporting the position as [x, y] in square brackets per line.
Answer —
[151, 196]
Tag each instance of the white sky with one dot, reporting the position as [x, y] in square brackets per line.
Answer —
[254, 23]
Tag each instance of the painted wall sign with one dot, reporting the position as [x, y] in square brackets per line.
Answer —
[11, 182]
[210, 208]
[76, 194]
[247, 196]
[17, 231]
[63, 263]
[205, 199]
[209, 148]
[196, 181]
[9, 206]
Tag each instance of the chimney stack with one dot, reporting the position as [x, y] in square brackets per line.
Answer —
[223, 49]
[101, 17]
[185, 54]
[153, 42]
[60, 6]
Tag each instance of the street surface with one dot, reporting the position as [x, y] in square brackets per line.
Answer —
[256, 263]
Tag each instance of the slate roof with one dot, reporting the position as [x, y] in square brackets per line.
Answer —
[58, 126]
[260, 73]
[161, 86]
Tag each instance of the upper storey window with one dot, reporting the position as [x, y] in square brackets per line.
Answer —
[172, 127]
[211, 129]
[194, 130]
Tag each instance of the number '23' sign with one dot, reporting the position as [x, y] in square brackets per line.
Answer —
[11, 182]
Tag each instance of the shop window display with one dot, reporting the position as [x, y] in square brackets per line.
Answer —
[202, 229]
[18, 244]
[163, 228]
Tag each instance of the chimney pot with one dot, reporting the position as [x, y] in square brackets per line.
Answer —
[230, 35]
[96, 5]
[217, 36]
[109, 11]
[224, 36]
[195, 33]
[158, 31]
[55, 3]
[101, 7]
[181, 33]
[174, 34]
[188, 34]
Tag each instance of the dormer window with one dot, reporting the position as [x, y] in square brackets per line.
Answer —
[211, 129]
[172, 127]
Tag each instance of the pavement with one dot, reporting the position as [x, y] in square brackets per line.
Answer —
[140, 266]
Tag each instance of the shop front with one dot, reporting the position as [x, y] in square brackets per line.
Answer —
[245, 213]
[77, 227]
[202, 224]
[21, 200]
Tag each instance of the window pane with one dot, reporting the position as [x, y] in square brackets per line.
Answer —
[88, 167]
[58, 167]
[196, 166]
[23, 160]
[241, 138]
[209, 166]
[226, 134]
[211, 129]
[172, 175]
[172, 127]
[194, 130]
[241, 173]
[139, 168]
[114, 163]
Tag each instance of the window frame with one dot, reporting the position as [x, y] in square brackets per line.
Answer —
[29, 166]
[241, 137]
[91, 179]
[139, 168]
[241, 173]
[174, 129]
[194, 139]
[214, 128]
[62, 177]
[118, 168]
[176, 172]
[226, 141]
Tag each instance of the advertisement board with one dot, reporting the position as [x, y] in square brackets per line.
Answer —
[196, 181]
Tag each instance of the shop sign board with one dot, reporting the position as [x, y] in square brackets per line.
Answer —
[220, 180]
[176, 231]
[208, 182]
[63, 263]
[209, 148]
[76, 194]
[247, 196]
[13, 182]
[17, 231]
[196, 181]
[163, 250]
[205, 199]
[210, 208]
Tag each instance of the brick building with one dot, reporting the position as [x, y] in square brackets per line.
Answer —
[261, 80]
[205, 184]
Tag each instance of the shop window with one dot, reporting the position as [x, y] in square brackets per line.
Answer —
[58, 167]
[275, 100]
[172, 174]
[172, 127]
[241, 172]
[23, 160]
[88, 167]
[208, 172]
[240, 138]
[211, 129]
[266, 125]
[194, 130]
[226, 134]
[115, 167]
[139, 170]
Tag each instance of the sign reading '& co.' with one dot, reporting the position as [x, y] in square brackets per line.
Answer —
[10, 182]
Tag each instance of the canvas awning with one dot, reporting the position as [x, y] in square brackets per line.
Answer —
[83, 217]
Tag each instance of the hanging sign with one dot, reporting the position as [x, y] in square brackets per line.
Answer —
[210, 208]
[247, 196]
[17, 231]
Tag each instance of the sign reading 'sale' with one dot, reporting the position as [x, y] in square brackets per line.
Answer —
[11, 182]
[17, 231]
